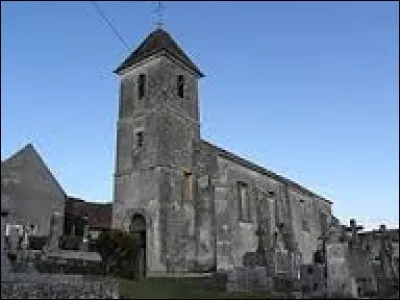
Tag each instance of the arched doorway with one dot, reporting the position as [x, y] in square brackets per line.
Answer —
[138, 229]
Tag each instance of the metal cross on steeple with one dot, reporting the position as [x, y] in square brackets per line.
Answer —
[159, 10]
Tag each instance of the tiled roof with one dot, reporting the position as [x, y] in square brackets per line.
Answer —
[99, 214]
[155, 42]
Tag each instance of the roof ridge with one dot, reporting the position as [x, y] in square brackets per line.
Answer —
[77, 199]
[19, 152]
[231, 155]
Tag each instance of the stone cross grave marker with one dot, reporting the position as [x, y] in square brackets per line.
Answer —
[353, 228]
[14, 242]
[385, 239]
[385, 251]
[25, 239]
[5, 261]
[54, 232]
[258, 258]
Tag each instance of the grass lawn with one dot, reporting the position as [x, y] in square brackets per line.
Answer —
[181, 288]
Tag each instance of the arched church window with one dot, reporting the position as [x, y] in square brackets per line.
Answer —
[180, 85]
[141, 86]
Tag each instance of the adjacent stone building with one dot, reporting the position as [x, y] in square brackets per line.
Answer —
[32, 194]
[31, 191]
[196, 206]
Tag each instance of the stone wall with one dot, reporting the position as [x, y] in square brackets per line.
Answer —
[52, 286]
[206, 167]
[276, 205]
[306, 221]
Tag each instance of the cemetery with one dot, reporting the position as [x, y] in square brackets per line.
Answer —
[342, 268]
[20, 276]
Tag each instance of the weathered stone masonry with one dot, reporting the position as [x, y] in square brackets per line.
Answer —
[186, 188]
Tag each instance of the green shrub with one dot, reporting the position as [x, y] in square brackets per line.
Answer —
[118, 250]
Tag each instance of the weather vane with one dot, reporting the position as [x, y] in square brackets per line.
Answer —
[159, 10]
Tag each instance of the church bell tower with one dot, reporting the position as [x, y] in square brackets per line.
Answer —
[157, 131]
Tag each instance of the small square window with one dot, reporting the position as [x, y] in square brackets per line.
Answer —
[139, 139]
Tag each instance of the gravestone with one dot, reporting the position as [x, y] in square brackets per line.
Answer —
[349, 270]
[85, 238]
[253, 259]
[386, 270]
[20, 283]
[386, 253]
[248, 279]
[253, 276]
[55, 231]
[58, 259]
[14, 243]
[258, 258]
[25, 239]
[312, 281]
[339, 282]
[5, 261]
[360, 266]
[17, 252]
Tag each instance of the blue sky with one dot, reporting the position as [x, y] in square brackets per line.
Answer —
[307, 89]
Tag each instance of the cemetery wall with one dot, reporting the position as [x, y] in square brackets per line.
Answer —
[57, 286]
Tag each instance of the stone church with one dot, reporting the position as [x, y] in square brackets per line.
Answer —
[196, 207]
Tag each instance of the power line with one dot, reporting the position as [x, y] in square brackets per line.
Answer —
[101, 13]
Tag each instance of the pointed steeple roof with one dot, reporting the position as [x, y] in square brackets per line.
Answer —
[157, 41]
